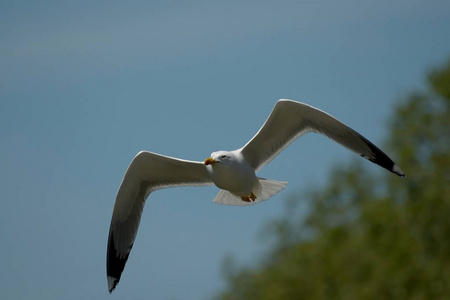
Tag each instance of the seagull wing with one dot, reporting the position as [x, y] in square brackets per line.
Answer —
[290, 120]
[147, 172]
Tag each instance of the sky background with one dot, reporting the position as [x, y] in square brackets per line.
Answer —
[85, 85]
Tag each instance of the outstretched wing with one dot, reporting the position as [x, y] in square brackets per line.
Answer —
[147, 172]
[290, 119]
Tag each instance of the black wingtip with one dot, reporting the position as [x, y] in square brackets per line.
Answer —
[380, 158]
[114, 264]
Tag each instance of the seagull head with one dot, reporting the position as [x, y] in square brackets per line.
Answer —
[219, 157]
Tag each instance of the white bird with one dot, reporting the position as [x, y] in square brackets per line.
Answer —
[231, 171]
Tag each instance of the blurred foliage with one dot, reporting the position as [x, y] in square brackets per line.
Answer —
[369, 236]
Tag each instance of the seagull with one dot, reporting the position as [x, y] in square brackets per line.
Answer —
[233, 172]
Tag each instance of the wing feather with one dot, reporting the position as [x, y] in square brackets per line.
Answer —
[291, 119]
[147, 172]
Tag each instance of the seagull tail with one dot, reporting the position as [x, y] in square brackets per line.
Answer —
[226, 198]
[265, 189]
[269, 188]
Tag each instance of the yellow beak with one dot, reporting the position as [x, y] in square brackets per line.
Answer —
[209, 161]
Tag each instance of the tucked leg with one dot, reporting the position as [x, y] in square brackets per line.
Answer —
[249, 198]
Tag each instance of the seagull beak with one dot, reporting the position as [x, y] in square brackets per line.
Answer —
[209, 161]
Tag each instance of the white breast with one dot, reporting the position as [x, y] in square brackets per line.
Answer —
[235, 176]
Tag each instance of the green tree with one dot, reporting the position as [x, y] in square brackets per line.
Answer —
[369, 236]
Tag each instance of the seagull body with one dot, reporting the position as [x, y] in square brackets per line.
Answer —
[233, 172]
[229, 171]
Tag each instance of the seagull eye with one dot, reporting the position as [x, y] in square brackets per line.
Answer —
[223, 156]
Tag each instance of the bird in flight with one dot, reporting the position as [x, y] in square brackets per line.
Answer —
[233, 172]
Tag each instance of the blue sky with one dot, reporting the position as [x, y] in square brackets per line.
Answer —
[86, 85]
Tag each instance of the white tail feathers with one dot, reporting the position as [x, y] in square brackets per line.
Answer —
[227, 198]
[269, 188]
[263, 191]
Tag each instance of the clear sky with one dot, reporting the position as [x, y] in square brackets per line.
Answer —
[85, 85]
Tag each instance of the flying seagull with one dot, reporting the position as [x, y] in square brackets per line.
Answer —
[233, 172]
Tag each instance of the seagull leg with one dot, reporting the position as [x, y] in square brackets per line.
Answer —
[246, 198]
[249, 198]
